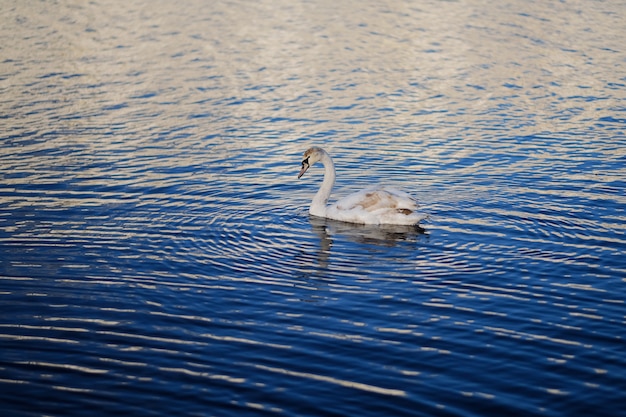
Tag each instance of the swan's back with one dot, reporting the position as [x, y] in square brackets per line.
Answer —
[377, 206]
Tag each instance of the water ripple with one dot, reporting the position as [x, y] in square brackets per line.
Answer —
[156, 246]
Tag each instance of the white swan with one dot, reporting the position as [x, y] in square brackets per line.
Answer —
[370, 206]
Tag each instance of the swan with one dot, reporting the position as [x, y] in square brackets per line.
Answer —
[369, 206]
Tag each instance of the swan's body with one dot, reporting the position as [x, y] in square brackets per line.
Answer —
[370, 206]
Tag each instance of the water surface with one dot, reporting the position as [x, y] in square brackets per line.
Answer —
[156, 252]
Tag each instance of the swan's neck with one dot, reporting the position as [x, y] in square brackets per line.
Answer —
[318, 205]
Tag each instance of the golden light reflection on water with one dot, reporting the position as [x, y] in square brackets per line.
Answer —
[472, 54]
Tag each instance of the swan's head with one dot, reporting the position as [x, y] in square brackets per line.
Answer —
[311, 156]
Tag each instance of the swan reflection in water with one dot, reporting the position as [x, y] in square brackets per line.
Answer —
[380, 235]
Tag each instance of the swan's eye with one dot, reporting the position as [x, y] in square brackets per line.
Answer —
[305, 161]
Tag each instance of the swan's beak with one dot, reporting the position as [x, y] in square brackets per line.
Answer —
[305, 166]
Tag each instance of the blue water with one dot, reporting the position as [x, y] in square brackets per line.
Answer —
[156, 252]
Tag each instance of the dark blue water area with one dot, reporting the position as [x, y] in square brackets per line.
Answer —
[202, 287]
[161, 298]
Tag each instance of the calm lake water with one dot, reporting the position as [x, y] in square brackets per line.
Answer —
[156, 252]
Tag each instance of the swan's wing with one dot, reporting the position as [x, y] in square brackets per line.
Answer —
[374, 199]
[404, 200]
[376, 206]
